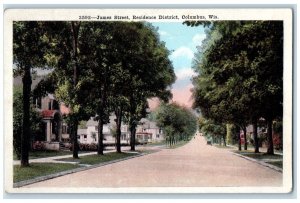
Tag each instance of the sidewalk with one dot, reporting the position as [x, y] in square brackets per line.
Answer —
[56, 159]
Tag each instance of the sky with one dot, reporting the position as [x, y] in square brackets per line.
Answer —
[182, 41]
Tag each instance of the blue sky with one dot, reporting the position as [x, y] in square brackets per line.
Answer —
[182, 41]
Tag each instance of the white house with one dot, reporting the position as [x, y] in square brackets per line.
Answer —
[147, 131]
[90, 134]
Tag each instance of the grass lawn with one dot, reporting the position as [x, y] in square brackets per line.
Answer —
[276, 158]
[259, 155]
[222, 146]
[39, 169]
[276, 163]
[96, 159]
[157, 143]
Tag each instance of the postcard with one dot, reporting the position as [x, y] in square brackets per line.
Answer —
[148, 100]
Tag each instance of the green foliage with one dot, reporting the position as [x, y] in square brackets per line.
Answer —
[82, 124]
[178, 122]
[35, 120]
[94, 159]
[212, 131]
[240, 67]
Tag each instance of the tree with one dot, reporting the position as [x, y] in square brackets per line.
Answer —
[177, 122]
[128, 66]
[35, 121]
[65, 56]
[237, 75]
[29, 50]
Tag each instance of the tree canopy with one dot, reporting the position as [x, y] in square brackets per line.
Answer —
[240, 70]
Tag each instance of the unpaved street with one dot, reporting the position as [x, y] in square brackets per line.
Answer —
[195, 164]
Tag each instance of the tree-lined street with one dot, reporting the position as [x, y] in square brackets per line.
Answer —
[194, 164]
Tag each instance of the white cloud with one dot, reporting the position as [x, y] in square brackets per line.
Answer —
[163, 33]
[184, 73]
[183, 52]
[198, 38]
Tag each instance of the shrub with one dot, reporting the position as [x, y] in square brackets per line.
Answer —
[84, 147]
[38, 146]
[277, 141]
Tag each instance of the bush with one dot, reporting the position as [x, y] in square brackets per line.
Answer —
[38, 146]
[84, 147]
[277, 141]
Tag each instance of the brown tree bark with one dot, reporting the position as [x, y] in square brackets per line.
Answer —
[270, 136]
[26, 117]
[75, 30]
[100, 137]
[118, 130]
[132, 136]
[255, 136]
[245, 137]
[74, 138]
[239, 138]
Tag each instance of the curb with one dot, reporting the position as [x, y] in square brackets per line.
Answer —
[260, 162]
[83, 168]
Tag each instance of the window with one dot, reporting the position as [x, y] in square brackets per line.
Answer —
[78, 137]
[85, 137]
[157, 135]
[49, 105]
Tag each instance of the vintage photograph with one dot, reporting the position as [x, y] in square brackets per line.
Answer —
[149, 101]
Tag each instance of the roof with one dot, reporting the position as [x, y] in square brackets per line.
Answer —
[148, 124]
[82, 131]
[92, 122]
[48, 113]
[35, 80]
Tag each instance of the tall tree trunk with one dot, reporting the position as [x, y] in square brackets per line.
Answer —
[239, 137]
[132, 135]
[118, 130]
[224, 140]
[255, 136]
[74, 138]
[26, 117]
[100, 136]
[270, 136]
[245, 137]
[75, 30]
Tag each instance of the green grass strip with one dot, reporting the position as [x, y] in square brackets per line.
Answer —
[39, 169]
[96, 159]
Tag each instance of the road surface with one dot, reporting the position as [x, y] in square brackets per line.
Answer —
[194, 164]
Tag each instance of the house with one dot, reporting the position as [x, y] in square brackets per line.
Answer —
[52, 128]
[148, 131]
[108, 131]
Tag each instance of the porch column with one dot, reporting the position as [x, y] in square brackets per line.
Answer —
[48, 131]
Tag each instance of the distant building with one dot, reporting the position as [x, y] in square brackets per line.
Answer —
[108, 131]
[146, 131]
[149, 131]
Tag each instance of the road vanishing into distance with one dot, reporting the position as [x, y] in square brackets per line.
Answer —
[195, 164]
